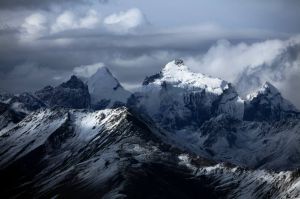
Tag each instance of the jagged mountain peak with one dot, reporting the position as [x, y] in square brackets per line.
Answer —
[178, 74]
[270, 88]
[269, 94]
[175, 65]
[172, 69]
[73, 82]
[266, 89]
[105, 89]
[177, 97]
[70, 94]
[268, 104]
[102, 70]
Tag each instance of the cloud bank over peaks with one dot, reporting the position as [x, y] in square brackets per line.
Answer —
[232, 59]
[251, 65]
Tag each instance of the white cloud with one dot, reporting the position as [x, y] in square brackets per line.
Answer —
[123, 22]
[68, 21]
[91, 20]
[87, 70]
[34, 26]
[64, 21]
[42, 24]
[227, 61]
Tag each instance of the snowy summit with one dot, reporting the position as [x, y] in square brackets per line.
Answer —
[105, 89]
[178, 74]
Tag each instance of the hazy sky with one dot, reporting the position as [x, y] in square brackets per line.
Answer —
[41, 42]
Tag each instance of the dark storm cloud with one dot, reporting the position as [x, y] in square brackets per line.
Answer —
[131, 57]
[144, 53]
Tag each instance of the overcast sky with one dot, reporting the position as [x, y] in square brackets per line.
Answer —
[44, 42]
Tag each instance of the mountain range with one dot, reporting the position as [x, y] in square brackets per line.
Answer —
[181, 135]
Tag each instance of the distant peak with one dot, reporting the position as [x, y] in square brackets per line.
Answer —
[179, 75]
[268, 87]
[102, 70]
[105, 89]
[73, 78]
[73, 82]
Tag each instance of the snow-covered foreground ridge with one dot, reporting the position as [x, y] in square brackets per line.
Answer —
[183, 135]
[111, 154]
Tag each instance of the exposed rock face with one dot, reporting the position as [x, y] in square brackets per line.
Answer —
[71, 94]
[112, 154]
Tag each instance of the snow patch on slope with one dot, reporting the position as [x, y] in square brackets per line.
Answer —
[29, 134]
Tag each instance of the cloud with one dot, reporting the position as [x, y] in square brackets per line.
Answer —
[34, 26]
[125, 21]
[45, 24]
[69, 20]
[232, 59]
[32, 4]
[87, 70]
[41, 24]
[248, 66]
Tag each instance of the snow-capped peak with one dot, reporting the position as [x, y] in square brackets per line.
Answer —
[105, 88]
[175, 66]
[267, 103]
[177, 73]
[266, 89]
[177, 97]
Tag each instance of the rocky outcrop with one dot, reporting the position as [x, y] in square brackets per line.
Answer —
[71, 94]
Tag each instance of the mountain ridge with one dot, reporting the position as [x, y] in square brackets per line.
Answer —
[184, 135]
